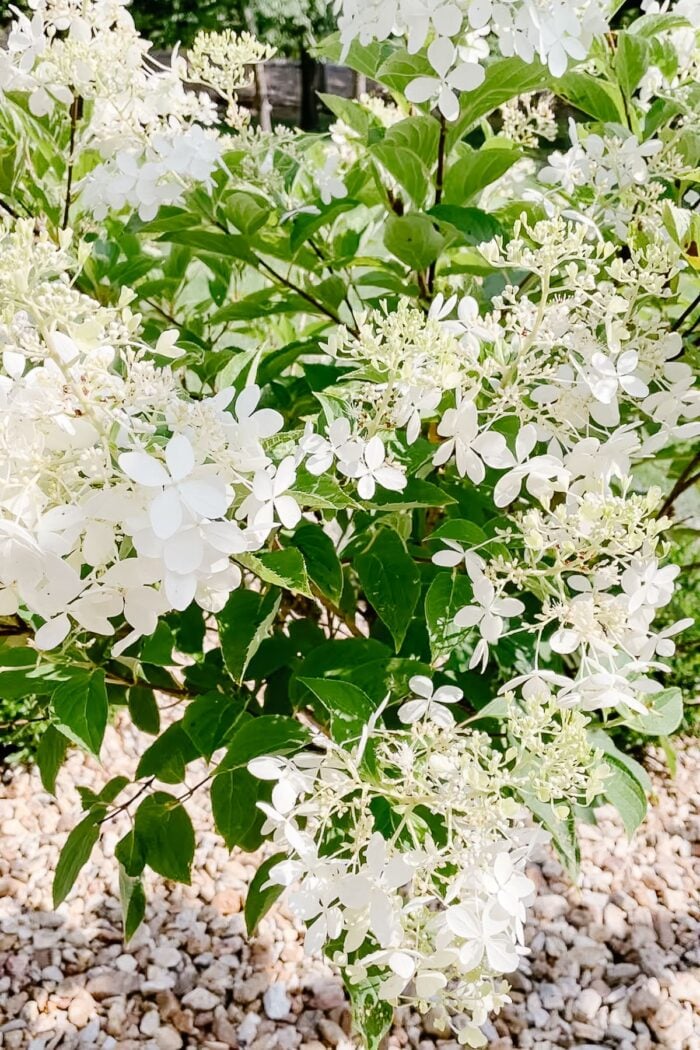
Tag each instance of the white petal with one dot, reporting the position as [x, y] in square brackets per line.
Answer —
[207, 499]
[288, 511]
[143, 469]
[165, 513]
[52, 633]
[466, 77]
[468, 616]
[179, 456]
[412, 710]
[441, 55]
[180, 590]
[421, 685]
[429, 983]
[422, 89]
[374, 453]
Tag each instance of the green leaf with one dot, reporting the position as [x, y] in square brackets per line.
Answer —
[448, 593]
[50, 754]
[416, 494]
[80, 707]
[598, 98]
[663, 717]
[130, 852]
[157, 648]
[408, 151]
[285, 568]
[133, 901]
[234, 802]
[349, 111]
[306, 224]
[626, 794]
[372, 1016]
[243, 622]
[210, 720]
[322, 562]
[164, 831]
[563, 831]
[222, 245]
[349, 707]
[631, 60]
[400, 68]
[321, 492]
[260, 897]
[600, 739]
[247, 212]
[143, 709]
[505, 79]
[263, 735]
[168, 757]
[413, 239]
[391, 582]
[365, 58]
[74, 855]
[473, 225]
[475, 169]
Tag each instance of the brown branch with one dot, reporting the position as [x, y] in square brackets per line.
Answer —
[685, 481]
[439, 179]
[76, 111]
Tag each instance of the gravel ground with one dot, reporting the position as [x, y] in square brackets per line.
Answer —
[615, 961]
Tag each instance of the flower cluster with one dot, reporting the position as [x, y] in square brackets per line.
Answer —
[428, 902]
[122, 496]
[460, 34]
[150, 135]
[553, 398]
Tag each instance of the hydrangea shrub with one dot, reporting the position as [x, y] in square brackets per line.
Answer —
[335, 448]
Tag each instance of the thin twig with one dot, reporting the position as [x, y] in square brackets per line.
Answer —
[686, 313]
[686, 479]
[75, 113]
[439, 179]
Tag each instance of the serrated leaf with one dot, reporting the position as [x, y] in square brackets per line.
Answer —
[505, 79]
[563, 832]
[390, 581]
[143, 709]
[626, 794]
[307, 224]
[592, 95]
[475, 169]
[165, 834]
[448, 593]
[243, 622]
[133, 901]
[322, 562]
[372, 1016]
[221, 245]
[210, 721]
[417, 493]
[50, 754]
[74, 856]
[471, 225]
[80, 707]
[167, 757]
[664, 714]
[413, 239]
[263, 735]
[600, 739]
[409, 151]
[348, 706]
[260, 897]
[631, 60]
[285, 568]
